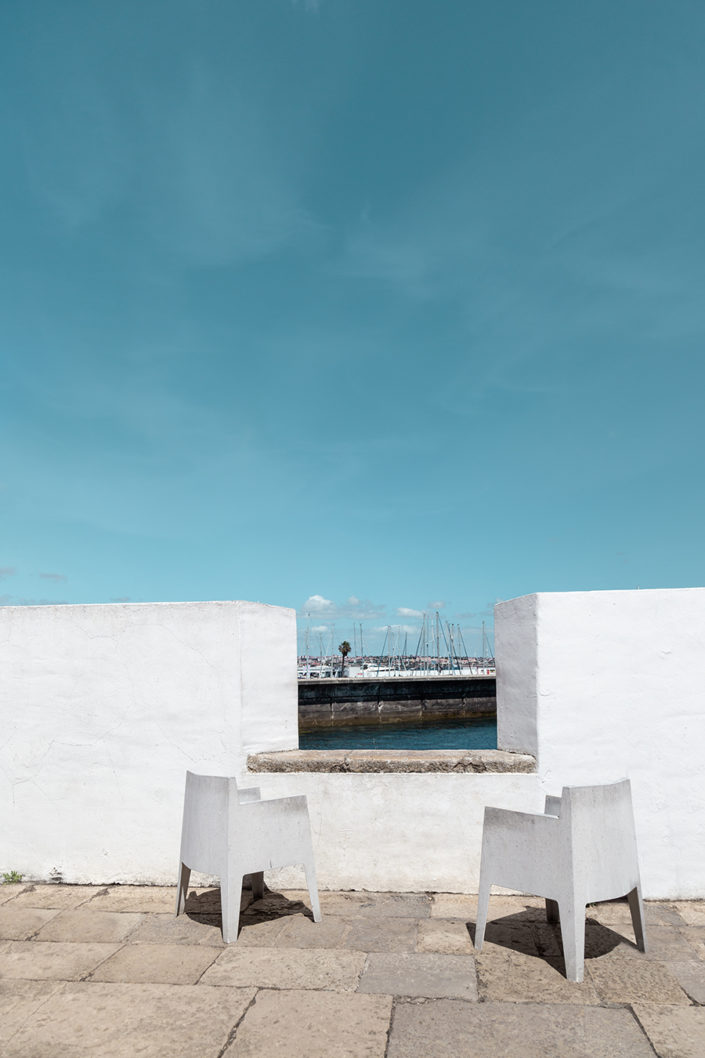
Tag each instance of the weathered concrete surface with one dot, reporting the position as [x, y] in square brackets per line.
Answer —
[361, 984]
[313, 1025]
[600, 685]
[390, 760]
[443, 1028]
[104, 707]
[115, 1021]
[420, 974]
[330, 703]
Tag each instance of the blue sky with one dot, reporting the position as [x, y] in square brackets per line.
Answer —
[353, 307]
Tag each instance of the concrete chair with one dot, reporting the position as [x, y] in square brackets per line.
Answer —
[231, 833]
[581, 851]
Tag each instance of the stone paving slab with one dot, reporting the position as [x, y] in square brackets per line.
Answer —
[420, 974]
[621, 979]
[691, 911]
[52, 895]
[174, 964]
[300, 932]
[18, 1001]
[21, 923]
[616, 913]
[511, 977]
[454, 905]
[445, 1028]
[696, 938]
[336, 971]
[691, 977]
[443, 936]
[665, 944]
[85, 925]
[313, 1025]
[459, 905]
[389, 905]
[124, 1020]
[135, 898]
[527, 936]
[186, 929]
[375, 933]
[10, 891]
[675, 1032]
[42, 960]
[260, 934]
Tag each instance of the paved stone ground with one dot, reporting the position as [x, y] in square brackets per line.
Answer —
[111, 972]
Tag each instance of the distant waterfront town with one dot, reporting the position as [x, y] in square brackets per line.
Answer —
[440, 651]
[373, 667]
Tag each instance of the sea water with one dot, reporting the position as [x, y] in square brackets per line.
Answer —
[449, 734]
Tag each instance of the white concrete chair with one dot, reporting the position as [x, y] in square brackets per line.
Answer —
[230, 833]
[581, 851]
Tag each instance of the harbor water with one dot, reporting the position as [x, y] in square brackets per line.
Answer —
[448, 734]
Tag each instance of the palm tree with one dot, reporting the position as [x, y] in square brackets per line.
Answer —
[344, 649]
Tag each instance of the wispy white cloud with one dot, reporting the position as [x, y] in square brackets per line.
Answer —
[396, 629]
[7, 571]
[222, 186]
[53, 576]
[406, 611]
[316, 604]
[353, 609]
[374, 254]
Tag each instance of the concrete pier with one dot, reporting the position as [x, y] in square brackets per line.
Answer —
[419, 699]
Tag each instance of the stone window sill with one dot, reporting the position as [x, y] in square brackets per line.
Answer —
[380, 760]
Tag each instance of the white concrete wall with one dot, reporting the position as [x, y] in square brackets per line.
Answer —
[401, 831]
[614, 687]
[102, 710]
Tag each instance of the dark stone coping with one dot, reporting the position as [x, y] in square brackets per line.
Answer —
[396, 760]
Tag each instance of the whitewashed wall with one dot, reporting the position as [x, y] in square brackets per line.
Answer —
[102, 710]
[399, 831]
[601, 685]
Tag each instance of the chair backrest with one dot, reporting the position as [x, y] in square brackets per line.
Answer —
[599, 821]
[207, 804]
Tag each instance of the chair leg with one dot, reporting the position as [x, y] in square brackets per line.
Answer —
[230, 900]
[572, 919]
[313, 890]
[636, 908]
[257, 885]
[182, 887]
[552, 911]
[483, 901]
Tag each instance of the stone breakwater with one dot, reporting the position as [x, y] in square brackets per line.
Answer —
[330, 703]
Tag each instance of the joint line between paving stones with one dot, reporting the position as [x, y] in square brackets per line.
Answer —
[210, 965]
[633, 1013]
[233, 1032]
[101, 892]
[392, 1014]
[480, 997]
[89, 976]
[42, 1003]
[362, 971]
